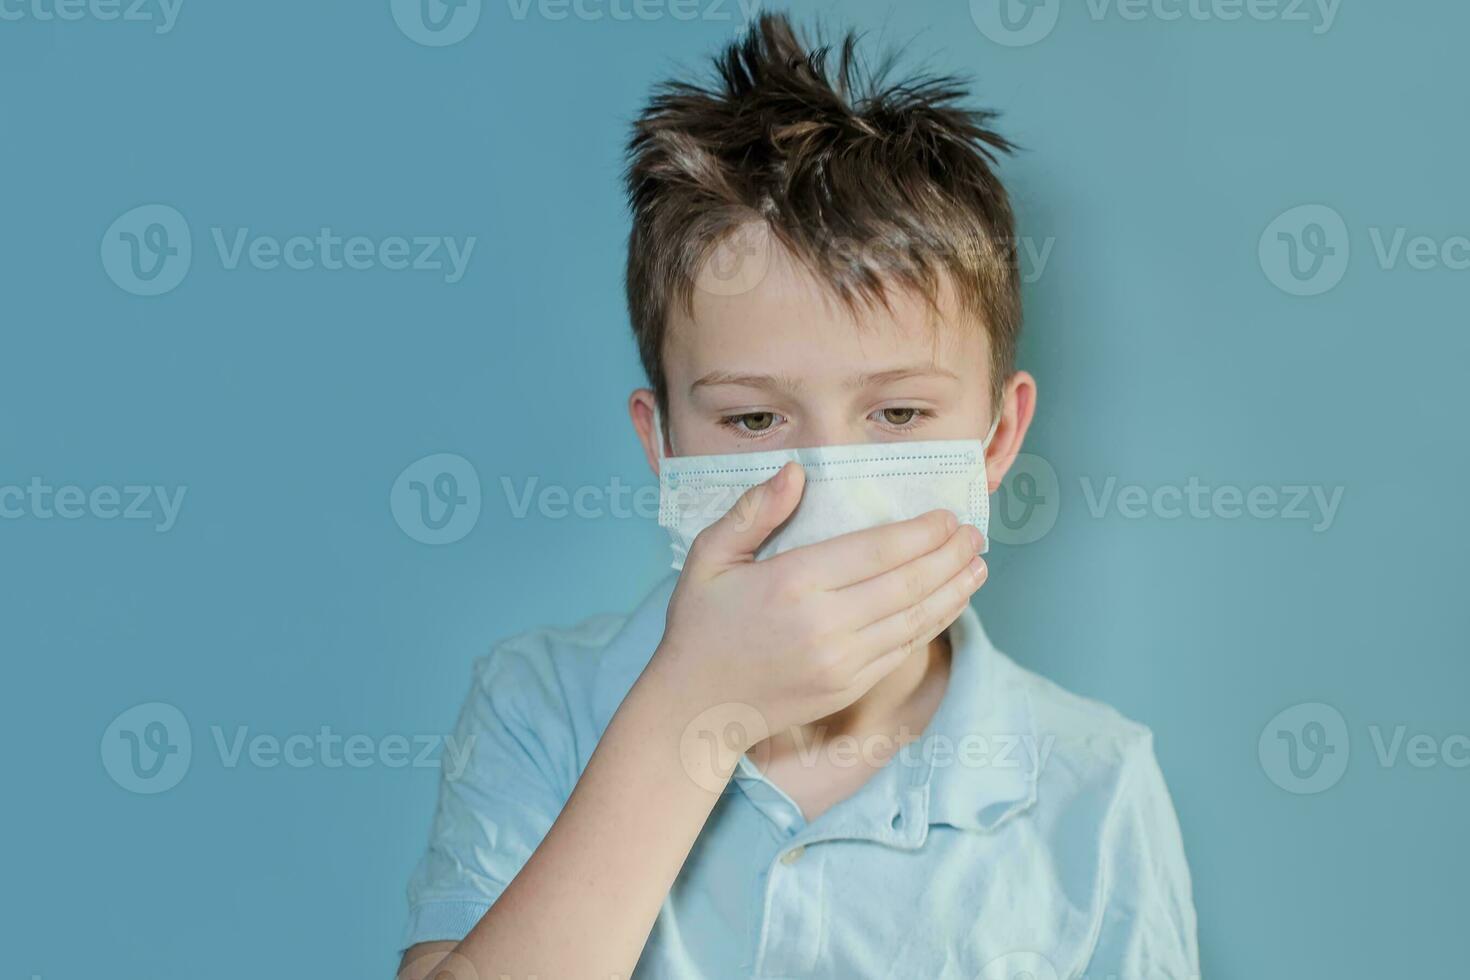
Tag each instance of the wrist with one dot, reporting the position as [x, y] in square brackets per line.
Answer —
[712, 731]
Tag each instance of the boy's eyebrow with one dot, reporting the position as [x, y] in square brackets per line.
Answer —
[715, 378]
[787, 383]
[902, 374]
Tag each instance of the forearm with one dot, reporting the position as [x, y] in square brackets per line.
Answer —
[586, 900]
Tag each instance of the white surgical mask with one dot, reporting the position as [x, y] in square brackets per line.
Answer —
[848, 488]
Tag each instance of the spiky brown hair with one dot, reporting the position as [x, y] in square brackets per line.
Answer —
[871, 182]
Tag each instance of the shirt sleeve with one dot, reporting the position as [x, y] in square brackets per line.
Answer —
[492, 815]
[1149, 930]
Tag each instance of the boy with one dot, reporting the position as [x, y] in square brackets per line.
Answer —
[813, 764]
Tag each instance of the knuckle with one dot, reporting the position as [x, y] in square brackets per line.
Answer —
[788, 582]
[701, 543]
[831, 672]
[915, 617]
[807, 632]
[938, 617]
[915, 588]
[879, 551]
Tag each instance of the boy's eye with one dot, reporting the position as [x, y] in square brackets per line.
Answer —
[758, 421]
[752, 421]
[899, 416]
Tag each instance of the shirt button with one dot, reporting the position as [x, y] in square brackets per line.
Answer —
[793, 855]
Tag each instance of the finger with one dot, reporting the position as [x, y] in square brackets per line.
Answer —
[913, 627]
[912, 582]
[868, 677]
[859, 555]
[736, 536]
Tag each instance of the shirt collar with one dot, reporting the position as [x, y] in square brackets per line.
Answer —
[980, 751]
[975, 766]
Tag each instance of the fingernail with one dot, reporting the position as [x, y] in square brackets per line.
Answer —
[977, 567]
[977, 540]
[778, 482]
[950, 522]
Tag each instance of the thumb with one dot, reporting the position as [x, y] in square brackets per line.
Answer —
[736, 537]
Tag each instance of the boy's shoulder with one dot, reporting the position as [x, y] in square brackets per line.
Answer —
[547, 663]
[1085, 749]
[1066, 714]
[567, 647]
[587, 652]
[564, 682]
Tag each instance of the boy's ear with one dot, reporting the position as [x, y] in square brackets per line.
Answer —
[640, 410]
[1018, 407]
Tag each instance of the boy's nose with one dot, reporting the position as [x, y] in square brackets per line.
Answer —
[829, 432]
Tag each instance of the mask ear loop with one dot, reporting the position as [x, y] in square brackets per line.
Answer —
[985, 443]
[658, 436]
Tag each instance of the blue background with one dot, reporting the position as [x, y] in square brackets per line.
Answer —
[287, 597]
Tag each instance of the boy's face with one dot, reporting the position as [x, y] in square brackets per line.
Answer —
[778, 362]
